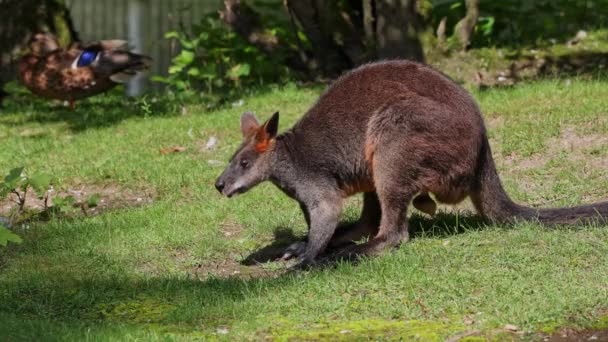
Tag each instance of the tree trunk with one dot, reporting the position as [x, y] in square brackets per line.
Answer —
[397, 28]
[318, 21]
[465, 27]
[26, 18]
[368, 26]
[246, 23]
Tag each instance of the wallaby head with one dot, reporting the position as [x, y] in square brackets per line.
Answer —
[251, 163]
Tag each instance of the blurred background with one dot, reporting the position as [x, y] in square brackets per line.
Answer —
[215, 48]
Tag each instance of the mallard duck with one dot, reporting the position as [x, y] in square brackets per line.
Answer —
[80, 71]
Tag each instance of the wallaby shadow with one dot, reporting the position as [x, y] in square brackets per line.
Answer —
[439, 226]
[283, 237]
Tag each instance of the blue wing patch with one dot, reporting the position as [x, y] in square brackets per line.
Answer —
[86, 58]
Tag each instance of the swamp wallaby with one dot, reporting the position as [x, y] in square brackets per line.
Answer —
[396, 131]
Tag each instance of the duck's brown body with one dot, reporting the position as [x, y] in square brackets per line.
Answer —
[52, 72]
[52, 77]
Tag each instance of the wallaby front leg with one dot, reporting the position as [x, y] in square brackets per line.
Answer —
[324, 216]
[297, 248]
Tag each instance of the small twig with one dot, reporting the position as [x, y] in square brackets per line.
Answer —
[46, 202]
[21, 199]
[422, 306]
[18, 196]
[22, 206]
[84, 209]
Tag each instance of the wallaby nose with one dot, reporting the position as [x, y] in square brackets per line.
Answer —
[219, 185]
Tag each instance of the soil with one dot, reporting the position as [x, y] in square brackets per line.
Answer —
[571, 335]
[111, 196]
[232, 268]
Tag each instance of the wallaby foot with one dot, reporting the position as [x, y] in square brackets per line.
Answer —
[294, 250]
[373, 247]
[425, 203]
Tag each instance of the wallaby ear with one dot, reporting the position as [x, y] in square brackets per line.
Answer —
[249, 123]
[272, 125]
[266, 133]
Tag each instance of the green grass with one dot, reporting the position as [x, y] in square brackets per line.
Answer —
[162, 271]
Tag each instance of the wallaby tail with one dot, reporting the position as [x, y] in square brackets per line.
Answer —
[493, 203]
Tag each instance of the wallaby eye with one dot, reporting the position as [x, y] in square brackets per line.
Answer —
[244, 163]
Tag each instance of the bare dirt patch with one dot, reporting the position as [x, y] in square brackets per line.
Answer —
[572, 335]
[232, 268]
[110, 196]
[231, 229]
[576, 145]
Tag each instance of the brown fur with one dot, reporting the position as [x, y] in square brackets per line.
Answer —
[397, 131]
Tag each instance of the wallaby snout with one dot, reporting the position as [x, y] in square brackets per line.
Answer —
[219, 185]
[229, 188]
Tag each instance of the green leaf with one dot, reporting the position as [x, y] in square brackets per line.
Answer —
[238, 71]
[160, 79]
[209, 70]
[13, 178]
[64, 203]
[93, 200]
[40, 182]
[455, 5]
[174, 69]
[185, 57]
[194, 71]
[172, 34]
[7, 236]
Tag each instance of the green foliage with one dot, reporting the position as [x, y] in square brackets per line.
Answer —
[18, 184]
[7, 236]
[217, 63]
[517, 22]
[12, 181]
[16, 180]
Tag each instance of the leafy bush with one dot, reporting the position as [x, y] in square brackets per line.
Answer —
[17, 183]
[217, 63]
[516, 22]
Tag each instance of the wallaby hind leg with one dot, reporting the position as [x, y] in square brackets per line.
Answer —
[394, 194]
[365, 227]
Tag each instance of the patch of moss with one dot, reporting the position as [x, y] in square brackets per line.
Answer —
[375, 329]
[140, 310]
[602, 323]
[550, 328]
[473, 339]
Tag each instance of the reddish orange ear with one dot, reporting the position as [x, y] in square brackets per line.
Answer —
[265, 134]
[262, 141]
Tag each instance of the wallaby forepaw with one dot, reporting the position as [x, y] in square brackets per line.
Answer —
[294, 250]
